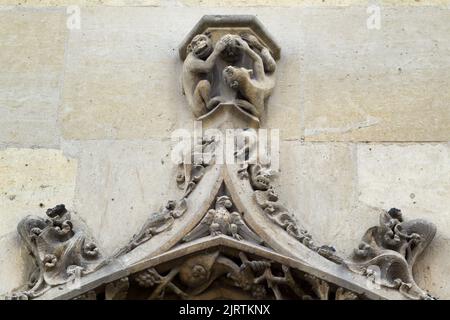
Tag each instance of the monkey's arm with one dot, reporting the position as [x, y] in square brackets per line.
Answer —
[204, 66]
[269, 60]
[258, 65]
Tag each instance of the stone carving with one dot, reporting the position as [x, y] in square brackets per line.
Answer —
[221, 221]
[197, 72]
[253, 86]
[150, 277]
[342, 294]
[90, 295]
[157, 223]
[194, 163]
[266, 197]
[238, 68]
[387, 252]
[228, 74]
[268, 201]
[61, 252]
[226, 273]
[319, 286]
[191, 170]
[201, 276]
[117, 290]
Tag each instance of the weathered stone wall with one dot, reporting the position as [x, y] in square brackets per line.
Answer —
[86, 116]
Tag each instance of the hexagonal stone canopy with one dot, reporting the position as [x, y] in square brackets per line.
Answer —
[218, 25]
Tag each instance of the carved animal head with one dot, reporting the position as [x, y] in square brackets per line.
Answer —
[171, 204]
[234, 77]
[224, 201]
[57, 211]
[201, 46]
[396, 214]
[260, 177]
[232, 51]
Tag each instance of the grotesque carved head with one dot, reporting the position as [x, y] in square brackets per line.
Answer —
[201, 46]
[234, 77]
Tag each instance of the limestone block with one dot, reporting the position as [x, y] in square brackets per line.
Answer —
[416, 179]
[223, 3]
[305, 3]
[123, 81]
[376, 85]
[287, 96]
[336, 191]
[64, 3]
[317, 183]
[32, 180]
[14, 263]
[127, 85]
[32, 57]
[122, 76]
[29, 134]
[432, 268]
[120, 183]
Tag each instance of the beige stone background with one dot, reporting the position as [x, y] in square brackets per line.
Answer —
[86, 116]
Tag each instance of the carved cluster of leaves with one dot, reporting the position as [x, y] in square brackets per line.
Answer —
[198, 276]
[61, 252]
[157, 222]
[387, 252]
[260, 178]
[225, 275]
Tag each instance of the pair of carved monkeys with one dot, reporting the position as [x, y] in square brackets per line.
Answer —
[253, 87]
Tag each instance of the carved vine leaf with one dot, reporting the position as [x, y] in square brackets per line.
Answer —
[201, 276]
[157, 223]
[260, 178]
[387, 252]
[62, 253]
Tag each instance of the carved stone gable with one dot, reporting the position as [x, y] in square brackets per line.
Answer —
[230, 234]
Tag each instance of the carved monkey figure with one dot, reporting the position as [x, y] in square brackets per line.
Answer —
[252, 85]
[200, 60]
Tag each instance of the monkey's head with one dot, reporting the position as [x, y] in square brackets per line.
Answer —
[201, 46]
[234, 77]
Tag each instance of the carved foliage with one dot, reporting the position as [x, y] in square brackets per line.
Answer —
[221, 275]
[233, 276]
[387, 252]
[61, 252]
[268, 200]
[156, 223]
